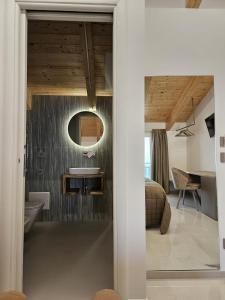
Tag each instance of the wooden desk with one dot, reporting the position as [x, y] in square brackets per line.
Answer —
[203, 173]
[208, 192]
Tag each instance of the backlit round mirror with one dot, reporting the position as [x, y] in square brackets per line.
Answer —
[85, 128]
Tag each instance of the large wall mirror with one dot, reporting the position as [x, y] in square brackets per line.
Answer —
[181, 194]
[85, 128]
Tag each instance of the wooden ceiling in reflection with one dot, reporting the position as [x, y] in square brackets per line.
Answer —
[169, 98]
[57, 59]
[193, 3]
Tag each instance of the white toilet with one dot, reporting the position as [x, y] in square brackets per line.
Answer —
[32, 210]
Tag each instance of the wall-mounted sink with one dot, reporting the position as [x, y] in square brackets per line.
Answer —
[84, 171]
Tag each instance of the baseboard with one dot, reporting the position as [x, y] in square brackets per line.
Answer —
[200, 274]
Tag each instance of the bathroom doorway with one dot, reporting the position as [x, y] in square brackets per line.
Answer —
[68, 246]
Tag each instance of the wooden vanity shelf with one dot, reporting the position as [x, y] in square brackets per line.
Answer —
[74, 184]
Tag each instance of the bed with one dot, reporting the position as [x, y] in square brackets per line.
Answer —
[157, 207]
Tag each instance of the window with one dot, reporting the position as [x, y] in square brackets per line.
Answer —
[147, 156]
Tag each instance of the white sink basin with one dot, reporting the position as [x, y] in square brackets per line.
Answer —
[84, 171]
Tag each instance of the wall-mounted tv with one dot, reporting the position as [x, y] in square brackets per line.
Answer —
[210, 123]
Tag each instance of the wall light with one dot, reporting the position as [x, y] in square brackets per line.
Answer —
[92, 109]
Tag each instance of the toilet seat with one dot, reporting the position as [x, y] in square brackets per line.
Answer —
[34, 204]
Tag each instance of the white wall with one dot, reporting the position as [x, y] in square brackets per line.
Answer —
[8, 145]
[165, 3]
[177, 151]
[191, 42]
[200, 147]
[154, 125]
[129, 143]
[177, 146]
[4, 259]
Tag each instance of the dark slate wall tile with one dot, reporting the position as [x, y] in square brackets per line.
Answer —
[51, 154]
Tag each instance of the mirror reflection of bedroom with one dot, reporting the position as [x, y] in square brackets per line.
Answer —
[180, 174]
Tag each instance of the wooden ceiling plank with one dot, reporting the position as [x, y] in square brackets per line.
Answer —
[162, 94]
[53, 48]
[105, 40]
[70, 81]
[60, 70]
[61, 59]
[53, 38]
[66, 84]
[102, 29]
[183, 101]
[59, 91]
[164, 91]
[35, 73]
[89, 61]
[58, 27]
[193, 3]
[55, 55]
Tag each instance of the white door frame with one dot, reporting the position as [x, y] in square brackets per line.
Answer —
[128, 170]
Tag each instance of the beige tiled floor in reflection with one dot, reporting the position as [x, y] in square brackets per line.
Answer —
[190, 244]
[207, 289]
[68, 261]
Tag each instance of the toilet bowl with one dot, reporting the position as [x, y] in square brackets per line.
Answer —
[32, 210]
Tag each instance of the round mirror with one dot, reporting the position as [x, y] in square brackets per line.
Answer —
[85, 128]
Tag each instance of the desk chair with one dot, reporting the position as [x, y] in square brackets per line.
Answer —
[183, 183]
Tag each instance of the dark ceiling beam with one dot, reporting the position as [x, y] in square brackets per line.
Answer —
[89, 62]
[193, 3]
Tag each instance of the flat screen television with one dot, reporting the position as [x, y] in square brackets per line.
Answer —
[210, 123]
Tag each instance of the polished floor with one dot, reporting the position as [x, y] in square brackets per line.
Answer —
[190, 244]
[197, 289]
[68, 261]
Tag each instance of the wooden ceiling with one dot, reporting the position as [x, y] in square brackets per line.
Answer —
[193, 3]
[169, 98]
[57, 61]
